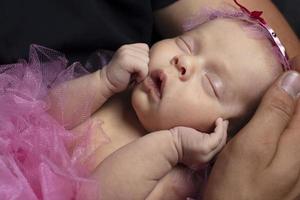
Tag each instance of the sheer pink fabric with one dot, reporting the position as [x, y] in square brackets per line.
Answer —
[35, 161]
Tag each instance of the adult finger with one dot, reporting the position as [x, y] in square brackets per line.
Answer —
[286, 159]
[284, 168]
[262, 133]
[295, 193]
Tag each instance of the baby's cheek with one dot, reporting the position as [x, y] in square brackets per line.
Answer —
[199, 120]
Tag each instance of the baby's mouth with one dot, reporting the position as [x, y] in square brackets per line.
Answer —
[158, 78]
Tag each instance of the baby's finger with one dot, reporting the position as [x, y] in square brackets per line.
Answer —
[141, 55]
[142, 72]
[218, 148]
[139, 69]
[126, 50]
[215, 138]
[141, 45]
[133, 63]
[141, 48]
[212, 144]
[130, 55]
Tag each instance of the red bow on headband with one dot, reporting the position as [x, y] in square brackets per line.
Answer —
[254, 14]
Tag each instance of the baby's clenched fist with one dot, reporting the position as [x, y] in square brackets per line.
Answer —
[128, 63]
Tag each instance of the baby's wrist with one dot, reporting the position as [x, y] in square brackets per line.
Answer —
[177, 141]
[108, 87]
[164, 143]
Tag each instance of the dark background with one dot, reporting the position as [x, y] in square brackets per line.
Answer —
[291, 10]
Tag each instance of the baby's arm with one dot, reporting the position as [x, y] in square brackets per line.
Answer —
[73, 101]
[136, 170]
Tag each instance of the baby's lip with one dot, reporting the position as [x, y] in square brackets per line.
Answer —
[159, 79]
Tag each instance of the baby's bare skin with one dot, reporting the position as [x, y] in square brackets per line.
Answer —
[141, 169]
[136, 163]
[114, 161]
[115, 115]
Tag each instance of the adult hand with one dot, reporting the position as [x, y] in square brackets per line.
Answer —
[262, 161]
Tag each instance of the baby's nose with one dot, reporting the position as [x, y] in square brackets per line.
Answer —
[184, 66]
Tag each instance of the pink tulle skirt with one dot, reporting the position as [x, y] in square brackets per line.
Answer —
[35, 161]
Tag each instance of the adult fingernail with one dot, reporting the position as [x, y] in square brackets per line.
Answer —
[291, 83]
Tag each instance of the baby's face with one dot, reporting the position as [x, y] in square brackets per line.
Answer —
[215, 70]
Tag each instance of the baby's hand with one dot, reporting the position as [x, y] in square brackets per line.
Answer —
[129, 62]
[195, 149]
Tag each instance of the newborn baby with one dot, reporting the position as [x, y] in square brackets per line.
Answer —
[185, 87]
[183, 96]
[215, 70]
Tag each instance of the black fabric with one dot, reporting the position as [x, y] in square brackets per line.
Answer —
[157, 4]
[291, 10]
[75, 27]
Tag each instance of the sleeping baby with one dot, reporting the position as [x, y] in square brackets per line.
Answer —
[165, 112]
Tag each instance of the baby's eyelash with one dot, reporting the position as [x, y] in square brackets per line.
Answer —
[212, 86]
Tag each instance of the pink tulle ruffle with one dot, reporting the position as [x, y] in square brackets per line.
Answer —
[35, 162]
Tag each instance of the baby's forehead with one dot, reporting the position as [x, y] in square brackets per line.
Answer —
[232, 38]
[226, 28]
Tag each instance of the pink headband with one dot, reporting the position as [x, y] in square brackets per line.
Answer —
[244, 14]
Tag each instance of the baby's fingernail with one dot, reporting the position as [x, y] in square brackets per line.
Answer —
[291, 83]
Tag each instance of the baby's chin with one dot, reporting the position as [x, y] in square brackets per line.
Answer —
[148, 125]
